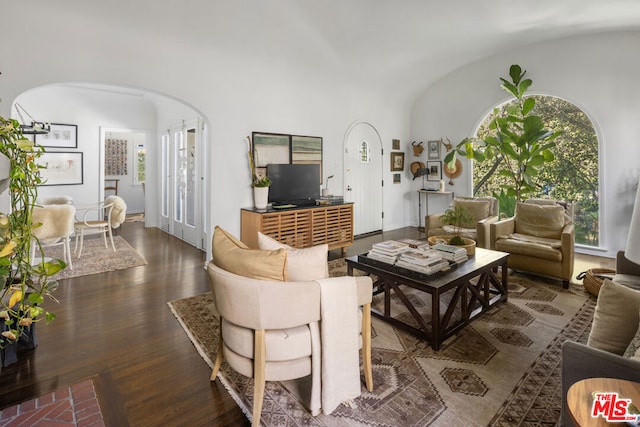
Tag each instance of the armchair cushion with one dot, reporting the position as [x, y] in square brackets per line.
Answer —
[232, 255]
[479, 210]
[616, 318]
[302, 264]
[540, 220]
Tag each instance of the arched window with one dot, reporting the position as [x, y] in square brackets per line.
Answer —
[573, 176]
[365, 156]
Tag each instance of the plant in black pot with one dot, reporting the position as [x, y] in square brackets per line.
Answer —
[24, 282]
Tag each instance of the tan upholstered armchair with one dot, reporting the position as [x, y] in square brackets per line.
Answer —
[274, 330]
[484, 211]
[540, 238]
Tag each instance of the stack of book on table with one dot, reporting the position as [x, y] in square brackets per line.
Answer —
[415, 243]
[451, 252]
[426, 261]
[387, 251]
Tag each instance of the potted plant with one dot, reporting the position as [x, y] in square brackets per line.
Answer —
[260, 184]
[25, 283]
[519, 145]
[458, 217]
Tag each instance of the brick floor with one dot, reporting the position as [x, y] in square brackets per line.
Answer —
[76, 405]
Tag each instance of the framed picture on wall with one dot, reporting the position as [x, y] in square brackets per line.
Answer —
[434, 171]
[433, 148]
[61, 168]
[60, 136]
[397, 161]
[395, 144]
[270, 148]
[396, 178]
[307, 150]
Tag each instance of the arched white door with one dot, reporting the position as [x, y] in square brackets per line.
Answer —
[363, 177]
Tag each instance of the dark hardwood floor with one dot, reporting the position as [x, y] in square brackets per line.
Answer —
[117, 329]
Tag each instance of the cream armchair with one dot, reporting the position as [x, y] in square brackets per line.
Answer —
[270, 331]
[55, 226]
[539, 238]
[484, 211]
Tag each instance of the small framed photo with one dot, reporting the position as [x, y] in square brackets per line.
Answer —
[433, 150]
[397, 161]
[61, 168]
[395, 144]
[396, 178]
[434, 171]
[60, 136]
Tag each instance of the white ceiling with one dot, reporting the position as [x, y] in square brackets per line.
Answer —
[401, 45]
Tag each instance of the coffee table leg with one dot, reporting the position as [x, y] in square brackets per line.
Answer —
[435, 320]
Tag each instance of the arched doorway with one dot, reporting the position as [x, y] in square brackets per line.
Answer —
[363, 177]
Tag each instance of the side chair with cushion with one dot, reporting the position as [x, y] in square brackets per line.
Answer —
[539, 238]
[55, 229]
[272, 328]
[613, 347]
[484, 211]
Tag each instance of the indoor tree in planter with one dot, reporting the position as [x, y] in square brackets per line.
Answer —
[25, 282]
[519, 144]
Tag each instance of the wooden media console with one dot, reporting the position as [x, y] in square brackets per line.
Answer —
[300, 227]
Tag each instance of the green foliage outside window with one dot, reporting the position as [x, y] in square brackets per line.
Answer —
[572, 176]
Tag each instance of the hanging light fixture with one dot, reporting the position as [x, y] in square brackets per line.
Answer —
[34, 127]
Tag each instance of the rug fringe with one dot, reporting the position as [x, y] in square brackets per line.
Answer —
[227, 385]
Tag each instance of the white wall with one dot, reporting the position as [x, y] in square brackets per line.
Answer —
[598, 73]
[235, 87]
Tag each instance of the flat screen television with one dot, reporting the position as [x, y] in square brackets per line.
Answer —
[294, 184]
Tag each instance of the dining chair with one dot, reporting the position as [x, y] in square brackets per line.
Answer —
[88, 226]
[55, 225]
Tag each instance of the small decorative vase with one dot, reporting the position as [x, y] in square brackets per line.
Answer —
[260, 197]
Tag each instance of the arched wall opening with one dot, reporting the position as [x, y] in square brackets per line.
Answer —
[97, 108]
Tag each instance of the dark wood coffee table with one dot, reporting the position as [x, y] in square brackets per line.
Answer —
[471, 297]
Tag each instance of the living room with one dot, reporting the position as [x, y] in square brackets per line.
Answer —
[230, 68]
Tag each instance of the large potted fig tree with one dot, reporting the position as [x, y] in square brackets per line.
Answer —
[518, 143]
[24, 283]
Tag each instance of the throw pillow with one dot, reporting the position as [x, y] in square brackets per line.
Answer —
[616, 318]
[302, 264]
[232, 255]
[479, 210]
[539, 220]
[633, 350]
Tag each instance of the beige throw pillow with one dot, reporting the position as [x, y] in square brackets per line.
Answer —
[302, 264]
[539, 220]
[232, 255]
[616, 318]
[479, 210]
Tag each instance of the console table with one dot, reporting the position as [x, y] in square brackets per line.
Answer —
[300, 227]
[428, 193]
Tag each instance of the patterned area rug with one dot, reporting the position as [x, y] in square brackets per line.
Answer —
[98, 259]
[501, 370]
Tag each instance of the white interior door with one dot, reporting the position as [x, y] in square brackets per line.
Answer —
[181, 209]
[363, 177]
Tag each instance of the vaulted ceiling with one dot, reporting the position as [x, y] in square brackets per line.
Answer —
[400, 46]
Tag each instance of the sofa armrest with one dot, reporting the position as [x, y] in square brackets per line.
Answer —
[483, 231]
[625, 266]
[499, 228]
[580, 362]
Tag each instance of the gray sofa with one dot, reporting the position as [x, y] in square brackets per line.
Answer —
[580, 361]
